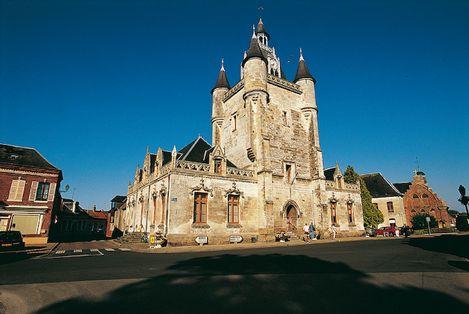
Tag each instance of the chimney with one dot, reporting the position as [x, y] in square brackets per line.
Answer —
[94, 207]
[75, 206]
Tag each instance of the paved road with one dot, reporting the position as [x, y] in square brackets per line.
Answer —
[416, 275]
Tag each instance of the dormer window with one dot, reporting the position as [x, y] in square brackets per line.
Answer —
[217, 166]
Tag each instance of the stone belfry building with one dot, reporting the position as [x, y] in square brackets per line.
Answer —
[261, 175]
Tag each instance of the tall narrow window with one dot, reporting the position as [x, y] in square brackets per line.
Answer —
[350, 213]
[233, 209]
[235, 121]
[42, 191]
[16, 190]
[217, 166]
[288, 172]
[285, 121]
[334, 213]
[200, 208]
[390, 207]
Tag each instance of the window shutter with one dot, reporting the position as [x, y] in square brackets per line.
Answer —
[51, 192]
[13, 189]
[32, 192]
[20, 190]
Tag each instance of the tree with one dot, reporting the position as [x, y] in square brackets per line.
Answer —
[419, 221]
[372, 217]
[461, 222]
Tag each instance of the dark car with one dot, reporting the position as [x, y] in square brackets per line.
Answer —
[11, 239]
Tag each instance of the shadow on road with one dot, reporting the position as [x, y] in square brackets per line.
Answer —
[13, 257]
[449, 244]
[272, 283]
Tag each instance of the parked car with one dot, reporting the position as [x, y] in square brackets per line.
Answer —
[11, 239]
[385, 232]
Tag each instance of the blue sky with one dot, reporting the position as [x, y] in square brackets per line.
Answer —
[90, 84]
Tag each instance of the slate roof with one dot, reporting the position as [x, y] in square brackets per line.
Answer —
[402, 187]
[303, 72]
[261, 29]
[23, 157]
[222, 80]
[166, 157]
[97, 214]
[254, 51]
[329, 173]
[119, 198]
[152, 162]
[378, 186]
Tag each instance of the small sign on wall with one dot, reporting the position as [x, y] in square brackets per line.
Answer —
[236, 239]
[201, 240]
[174, 199]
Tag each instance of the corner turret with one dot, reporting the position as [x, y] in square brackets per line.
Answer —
[218, 92]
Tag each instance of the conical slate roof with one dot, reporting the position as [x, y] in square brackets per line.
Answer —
[261, 29]
[222, 81]
[302, 71]
[254, 50]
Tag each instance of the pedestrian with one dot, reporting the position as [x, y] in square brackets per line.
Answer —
[306, 232]
[312, 231]
[334, 231]
[397, 232]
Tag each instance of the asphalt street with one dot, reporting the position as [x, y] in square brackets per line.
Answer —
[416, 275]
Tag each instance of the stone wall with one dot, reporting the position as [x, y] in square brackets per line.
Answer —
[398, 214]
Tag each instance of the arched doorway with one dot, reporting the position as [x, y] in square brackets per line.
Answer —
[292, 217]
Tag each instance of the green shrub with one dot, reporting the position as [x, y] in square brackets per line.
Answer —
[419, 221]
[461, 223]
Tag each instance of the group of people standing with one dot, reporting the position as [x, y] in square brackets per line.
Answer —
[310, 232]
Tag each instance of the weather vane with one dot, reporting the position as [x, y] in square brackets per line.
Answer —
[261, 10]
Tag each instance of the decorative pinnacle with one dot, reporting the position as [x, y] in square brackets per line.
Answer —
[301, 55]
[253, 31]
[222, 65]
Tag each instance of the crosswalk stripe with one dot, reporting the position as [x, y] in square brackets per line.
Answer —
[60, 252]
[124, 249]
[110, 250]
[77, 251]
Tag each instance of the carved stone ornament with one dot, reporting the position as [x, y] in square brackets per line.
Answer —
[140, 199]
[349, 200]
[333, 199]
[234, 190]
[202, 188]
[154, 194]
[163, 189]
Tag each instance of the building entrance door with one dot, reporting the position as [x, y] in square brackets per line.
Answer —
[292, 218]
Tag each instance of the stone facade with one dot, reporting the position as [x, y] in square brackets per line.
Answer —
[265, 157]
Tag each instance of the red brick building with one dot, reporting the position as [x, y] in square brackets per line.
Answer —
[419, 198]
[29, 195]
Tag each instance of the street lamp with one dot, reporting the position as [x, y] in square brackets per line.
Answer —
[464, 200]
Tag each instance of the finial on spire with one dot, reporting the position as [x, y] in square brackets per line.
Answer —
[301, 55]
[222, 65]
[253, 31]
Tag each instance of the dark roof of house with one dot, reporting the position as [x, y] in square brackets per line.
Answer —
[166, 157]
[23, 157]
[402, 187]
[254, 51]
[198, 151]
[152, 162]
[119, 199]
[97, 214]
[222, 80]
[329, 173]
[378, 186]
[261, 29]
[302, 72]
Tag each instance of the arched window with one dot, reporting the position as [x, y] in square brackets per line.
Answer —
[334, 213]
[350, 212]
[415, 196]
[424, 196]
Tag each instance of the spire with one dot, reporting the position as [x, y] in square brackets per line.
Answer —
[222, 81]
[260, 29]
[254, 50]
[302, 71]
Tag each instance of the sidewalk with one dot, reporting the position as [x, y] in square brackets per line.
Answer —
[44, 249]
[144, 248]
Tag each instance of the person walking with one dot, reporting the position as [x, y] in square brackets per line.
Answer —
[306, 232]
[334, 231]
[312, 231]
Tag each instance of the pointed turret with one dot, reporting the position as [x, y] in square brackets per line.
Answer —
[260, 29]
[303, 72]
[222, 81]
[254, 50]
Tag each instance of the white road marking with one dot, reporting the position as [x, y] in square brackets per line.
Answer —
[124, 249]
[109, 250]
[60, 252]
[77, 251]
[94, 250]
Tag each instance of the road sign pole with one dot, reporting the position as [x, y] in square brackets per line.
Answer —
[428, 224]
